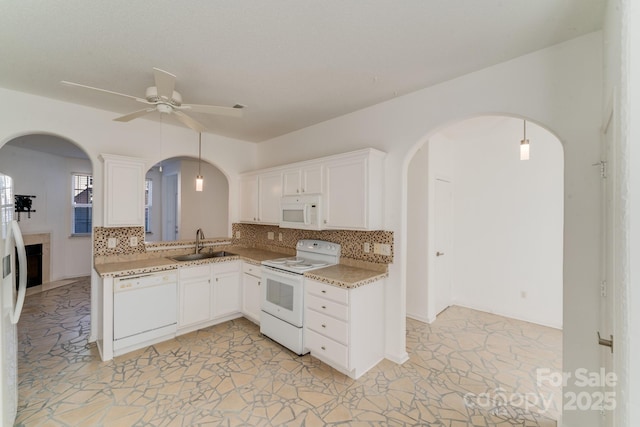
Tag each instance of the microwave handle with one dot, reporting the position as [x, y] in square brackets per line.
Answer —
[307, 214]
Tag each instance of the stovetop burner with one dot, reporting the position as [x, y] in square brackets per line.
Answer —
[310, 255]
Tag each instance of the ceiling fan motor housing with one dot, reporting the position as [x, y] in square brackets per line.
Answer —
[152, 96]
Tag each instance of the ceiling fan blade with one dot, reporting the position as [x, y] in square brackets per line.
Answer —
[213, 109]
[66, 83]
[193, 124]
[165, 83]
[134, 115]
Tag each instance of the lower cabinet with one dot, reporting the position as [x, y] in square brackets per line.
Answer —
[208, 294]
[345, 327]
[195, 295]
[251, 295]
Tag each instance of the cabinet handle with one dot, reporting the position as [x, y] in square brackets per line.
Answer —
[297, 190]
[258, 283]
[324, 307]
[323, 348]
[324, 291]
[216, 279]
[324, 326]
[325, 221]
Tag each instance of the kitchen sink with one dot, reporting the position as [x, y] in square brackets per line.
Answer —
[195, 257]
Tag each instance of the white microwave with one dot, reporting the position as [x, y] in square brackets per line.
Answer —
[303, 212]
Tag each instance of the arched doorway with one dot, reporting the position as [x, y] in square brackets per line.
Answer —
[506, 222]
[59, 174]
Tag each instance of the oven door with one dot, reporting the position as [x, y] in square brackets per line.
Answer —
[282, 295]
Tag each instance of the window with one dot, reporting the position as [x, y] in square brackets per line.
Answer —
[148, 185]
[82, 199]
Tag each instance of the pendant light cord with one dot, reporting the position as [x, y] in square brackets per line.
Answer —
[199, 151]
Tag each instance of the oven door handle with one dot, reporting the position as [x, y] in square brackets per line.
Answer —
[274, 272]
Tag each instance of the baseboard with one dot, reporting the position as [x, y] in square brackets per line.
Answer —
[397, 358]
[523, 319]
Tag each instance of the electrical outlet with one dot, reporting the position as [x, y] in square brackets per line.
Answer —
[270, 235]
[133, 241]
[237, 234]
[279, 237]
[382, 249]
[112, 242]
[366, 247]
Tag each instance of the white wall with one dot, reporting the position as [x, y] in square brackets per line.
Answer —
[417, 254]
[208, 209]
[559, 87]
[48, 177]
[508, 218]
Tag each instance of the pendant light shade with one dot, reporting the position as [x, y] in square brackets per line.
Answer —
[524, 145]
[199, 178]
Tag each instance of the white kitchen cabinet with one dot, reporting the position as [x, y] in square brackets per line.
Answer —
[345, 327]
[226, 289]
[251, 295]
[302, 180]
[260, 196]
[353, 193]
[123, 189]
[195, 295]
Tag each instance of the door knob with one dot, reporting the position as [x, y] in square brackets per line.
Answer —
[439, 253]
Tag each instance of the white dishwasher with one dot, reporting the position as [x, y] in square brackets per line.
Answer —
[144, 310]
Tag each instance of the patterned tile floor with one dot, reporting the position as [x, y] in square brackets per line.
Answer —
[466, 369]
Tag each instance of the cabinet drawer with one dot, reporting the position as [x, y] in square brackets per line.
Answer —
[327, 291]
[327, 326]
[324, 347]
[225, 267]
[251, 269]
[322, 305]
[193, 272]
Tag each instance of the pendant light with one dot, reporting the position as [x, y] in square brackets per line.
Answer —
[524, 145]
[199, 178]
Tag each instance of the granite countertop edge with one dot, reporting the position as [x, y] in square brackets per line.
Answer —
[338, 275]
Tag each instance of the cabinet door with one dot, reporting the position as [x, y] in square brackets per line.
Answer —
[251, 297]
[312, 179]
[270, 193]
[226, 296]
[123, 191]
[249, 199]
[195, 301]
[345, 196]
[291, 182]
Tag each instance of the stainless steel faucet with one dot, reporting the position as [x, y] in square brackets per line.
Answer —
[199, 238]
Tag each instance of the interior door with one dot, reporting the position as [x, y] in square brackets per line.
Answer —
[443, 223]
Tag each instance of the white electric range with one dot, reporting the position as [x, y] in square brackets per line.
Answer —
[282, 316]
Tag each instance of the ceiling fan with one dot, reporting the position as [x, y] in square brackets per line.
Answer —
[164, 98]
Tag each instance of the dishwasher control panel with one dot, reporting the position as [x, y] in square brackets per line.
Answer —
[144, 281]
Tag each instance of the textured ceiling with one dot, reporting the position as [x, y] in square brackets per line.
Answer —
[293, 63]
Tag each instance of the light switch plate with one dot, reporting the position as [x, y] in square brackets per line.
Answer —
[280, 237]
[366, 247]
[237, 234]
[112, 242]
[382, 249]
[270, 235]
[133, 241]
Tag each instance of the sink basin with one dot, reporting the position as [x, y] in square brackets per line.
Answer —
[195, 257]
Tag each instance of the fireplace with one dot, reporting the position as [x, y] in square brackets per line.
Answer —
[34, 265]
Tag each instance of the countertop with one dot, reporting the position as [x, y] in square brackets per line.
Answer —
[340, 275]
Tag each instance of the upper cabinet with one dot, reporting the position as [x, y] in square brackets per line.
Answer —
[353, 193]
[123, 191]
[260, 197]
[302, 180]
[351, 186]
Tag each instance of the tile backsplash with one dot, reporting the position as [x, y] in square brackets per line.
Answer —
[123, 235]
[352, 241]
[251, 235]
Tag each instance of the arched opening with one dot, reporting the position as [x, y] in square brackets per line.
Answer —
[59, 173]
[175, 210]
[485, 235]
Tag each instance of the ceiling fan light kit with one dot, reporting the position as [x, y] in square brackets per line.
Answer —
[165, 99]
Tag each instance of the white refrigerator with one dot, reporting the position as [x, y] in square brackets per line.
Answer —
[10, 300]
